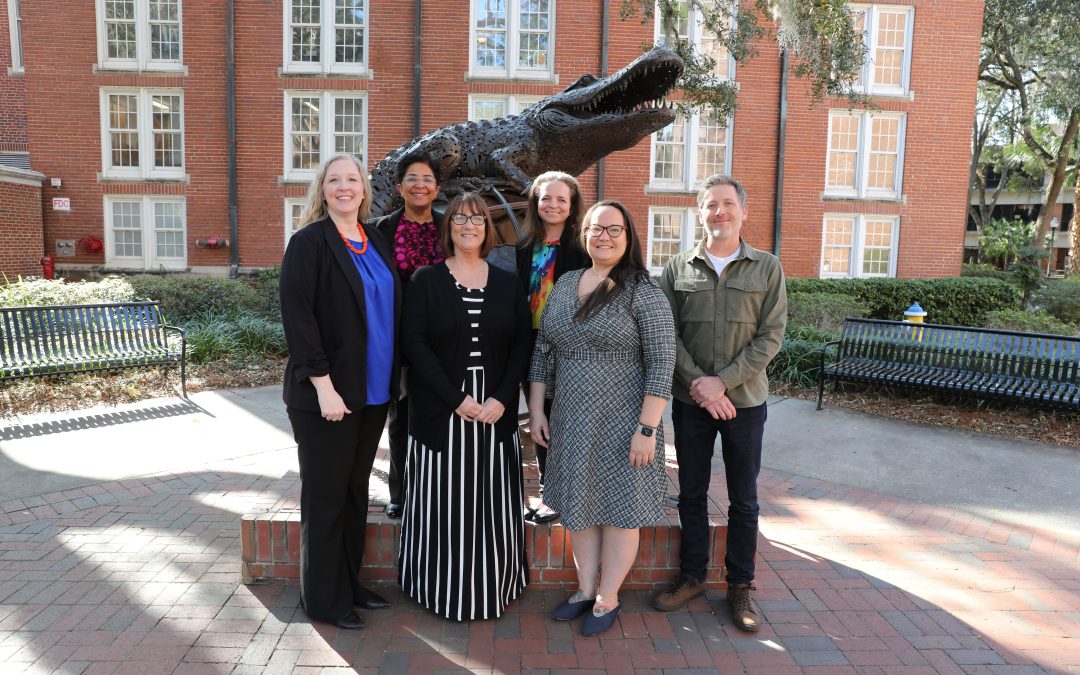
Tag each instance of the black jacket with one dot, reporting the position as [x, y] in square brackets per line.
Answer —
[571, 257]
[388, 225]
[435, 338]
[324, 315]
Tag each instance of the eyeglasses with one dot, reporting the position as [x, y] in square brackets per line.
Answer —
[414, 180]
[461, 219]
[614, 231]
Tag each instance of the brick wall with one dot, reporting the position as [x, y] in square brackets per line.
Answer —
[20, 222]
[63, 85]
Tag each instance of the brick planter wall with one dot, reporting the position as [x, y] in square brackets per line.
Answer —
[20, 219]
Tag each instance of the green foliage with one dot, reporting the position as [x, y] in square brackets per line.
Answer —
[818, 36]
[1060, 298]
[22, 293]
[241, 337]
[1039, 321]
[987, 271]
[957, 300]
[799, 360]
[266, 283]
[823, 311]
[184, 298]
[256, 335]
[1003, 240]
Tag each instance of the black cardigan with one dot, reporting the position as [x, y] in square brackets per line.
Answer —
[435, 338]
[571, 257]
[388, 225]
[324, 315]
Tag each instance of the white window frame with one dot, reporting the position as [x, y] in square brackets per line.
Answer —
[690, 233]
[513, 104]
[858, 246]
[146, 169]
[690, 181]
[15, 29]
[327, 53]
[870, 37]
[142, 60]
[696, 31]
[326, 128]
[290, 202]
[862, 161]
[513, 47]
[149, 259]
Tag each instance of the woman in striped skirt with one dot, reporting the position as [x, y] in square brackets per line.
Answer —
[466, 333]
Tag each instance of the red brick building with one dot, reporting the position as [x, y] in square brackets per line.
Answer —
[126, 103]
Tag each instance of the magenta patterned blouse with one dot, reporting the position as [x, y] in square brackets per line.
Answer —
[415, 245]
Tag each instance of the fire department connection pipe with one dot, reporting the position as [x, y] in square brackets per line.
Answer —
[230, 102]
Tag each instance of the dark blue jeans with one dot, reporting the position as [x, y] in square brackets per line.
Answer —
[740, 443]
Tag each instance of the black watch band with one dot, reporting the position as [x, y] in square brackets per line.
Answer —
[647, 430]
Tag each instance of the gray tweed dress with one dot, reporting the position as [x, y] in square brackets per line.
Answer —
[598, 371]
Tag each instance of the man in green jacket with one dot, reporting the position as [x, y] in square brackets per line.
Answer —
[730, 306]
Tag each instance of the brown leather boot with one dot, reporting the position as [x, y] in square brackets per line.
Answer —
[743, 609]
[682, 591]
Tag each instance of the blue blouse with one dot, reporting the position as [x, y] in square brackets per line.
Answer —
[379, 301]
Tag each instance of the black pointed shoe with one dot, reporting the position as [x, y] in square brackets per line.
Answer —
[351, 621]
[393, 510]
[368, 599]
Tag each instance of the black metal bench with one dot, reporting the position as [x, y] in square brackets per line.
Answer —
[983, 363]
[57, 340]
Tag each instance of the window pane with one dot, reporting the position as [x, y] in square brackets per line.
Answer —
[884, 145]
[836, 253]
[670, 148]
[164, 30]
[168, 141]
[304, 129]
[169, 229]
[349, 31]
[666, 237]
[858, 20]
[349, 126]
[533, 20]
[889, 55]
[843, 151]
[711, 146]
[306, 22]
[120, 29]
[491, 33]
[124, 130]
[488, 110]
[18, 37]
[126, 221]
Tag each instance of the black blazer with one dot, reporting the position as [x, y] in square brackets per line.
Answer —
[571, 257]
[435, 337]
[388, 225]
[324, 315]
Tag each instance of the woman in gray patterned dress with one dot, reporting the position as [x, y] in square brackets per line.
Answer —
[606, 353]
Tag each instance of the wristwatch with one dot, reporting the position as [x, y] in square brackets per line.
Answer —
[647, 431]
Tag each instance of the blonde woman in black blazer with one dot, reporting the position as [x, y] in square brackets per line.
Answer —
[465, 331]
[340, 303]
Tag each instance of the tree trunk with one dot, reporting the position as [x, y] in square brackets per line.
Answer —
[1057, 178]
[1074, 236]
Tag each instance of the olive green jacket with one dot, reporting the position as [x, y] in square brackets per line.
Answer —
[729, 325]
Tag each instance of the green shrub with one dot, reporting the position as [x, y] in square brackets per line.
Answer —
[189, 297]
[256, 335]
[962, 301]
[1061, 299]
[799, 360]
[824, 311]
[266, 284]
[1029, 322]
[986, 271]
[23, 293]
[243, 337]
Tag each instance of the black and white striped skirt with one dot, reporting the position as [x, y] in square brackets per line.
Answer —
[462, 552]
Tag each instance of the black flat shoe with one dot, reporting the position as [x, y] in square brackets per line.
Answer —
[351, 621]
[370, 600]
[545, 515]
[393, 510]
[530, 512]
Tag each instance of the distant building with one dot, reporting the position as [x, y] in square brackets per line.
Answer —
[125, 102]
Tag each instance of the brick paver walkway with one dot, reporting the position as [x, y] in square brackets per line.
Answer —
[142, 576]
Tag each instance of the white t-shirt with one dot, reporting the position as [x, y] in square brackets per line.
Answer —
[720, 263]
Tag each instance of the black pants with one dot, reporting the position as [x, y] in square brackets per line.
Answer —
[335, 466]
[399, 443]
[740, 442]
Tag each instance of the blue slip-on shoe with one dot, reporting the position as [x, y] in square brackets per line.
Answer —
[573, 607]
[595, 625]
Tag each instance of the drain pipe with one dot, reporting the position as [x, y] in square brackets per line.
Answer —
[230, 113]
[778, 216]
[417, 44]
[605, 29]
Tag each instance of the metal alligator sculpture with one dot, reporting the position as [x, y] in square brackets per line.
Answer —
[569, 131]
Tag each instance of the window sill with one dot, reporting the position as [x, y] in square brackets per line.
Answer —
[181, 180]
[365, 74]
[544, 78]
[285, 181]
[16, 72]
[179, 69]
[669, 190]
[140, 269]
[900, 199]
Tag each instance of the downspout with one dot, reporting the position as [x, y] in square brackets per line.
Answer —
[417, 70]
[605, 29]
[778, 215]
[230, 102]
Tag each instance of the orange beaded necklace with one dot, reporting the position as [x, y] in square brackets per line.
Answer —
[363, 240]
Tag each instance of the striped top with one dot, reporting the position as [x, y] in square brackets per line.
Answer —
[474, 303]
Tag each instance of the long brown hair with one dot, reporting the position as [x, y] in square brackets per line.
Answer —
[534, 228]
[631, 267]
